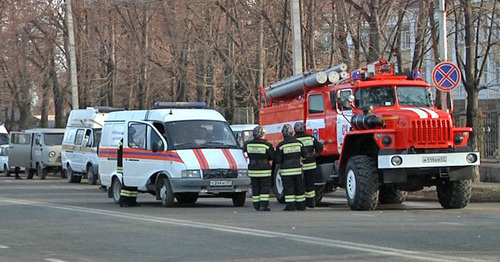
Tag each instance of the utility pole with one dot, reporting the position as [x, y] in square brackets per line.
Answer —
[296, 36]
[443, 48]
[72, 57]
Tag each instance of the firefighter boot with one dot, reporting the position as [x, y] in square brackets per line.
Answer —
[301, 206]
[289, 206]
[256, 205]
[264, 206]
[310, 202]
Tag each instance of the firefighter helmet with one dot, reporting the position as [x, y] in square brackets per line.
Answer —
[258, 132]
[287, 131]
[298, 128]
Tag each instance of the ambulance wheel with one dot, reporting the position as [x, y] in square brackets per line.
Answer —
[70, 175]
[239, 199]
[41, 172]
[362, 185]
[116, 188]
[186, 198]
[166, 194]
[91, 176]
[30, 172]
[279, 190]
[6, 170]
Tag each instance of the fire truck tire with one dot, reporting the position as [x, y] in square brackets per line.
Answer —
[454, 194]
[70, 175]
[166, 194]
[116, 187]
[362, 183]
[278, 186]
[186, 198]
[319, 194]
[390, 194]
[41, 172]
[239, 199]
[91, 176]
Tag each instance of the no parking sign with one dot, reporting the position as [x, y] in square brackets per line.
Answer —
[446, 76]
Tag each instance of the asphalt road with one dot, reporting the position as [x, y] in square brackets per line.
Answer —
[52, 220]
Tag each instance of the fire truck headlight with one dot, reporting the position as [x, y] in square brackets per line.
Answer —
[52, 154]
[458, 139]
[387, 140]
[190, 174]
[242, 173]
[396, 161]
[471, 158]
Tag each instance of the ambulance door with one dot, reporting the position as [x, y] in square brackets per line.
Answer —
[77, 157]
[139, 160]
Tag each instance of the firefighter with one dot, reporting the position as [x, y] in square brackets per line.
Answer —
[288, 155]
[128, 195]
[260, 153]
[312, 148]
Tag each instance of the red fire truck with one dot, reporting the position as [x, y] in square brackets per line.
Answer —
[381, 133]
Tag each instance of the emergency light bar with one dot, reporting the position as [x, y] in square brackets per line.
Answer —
[180, 104]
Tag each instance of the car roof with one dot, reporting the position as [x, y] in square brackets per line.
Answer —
[243, 127]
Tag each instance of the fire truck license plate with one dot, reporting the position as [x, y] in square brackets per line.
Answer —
[221, 183]
[434, 159]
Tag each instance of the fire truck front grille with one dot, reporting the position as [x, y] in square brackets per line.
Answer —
[219, 173]
[430, 131]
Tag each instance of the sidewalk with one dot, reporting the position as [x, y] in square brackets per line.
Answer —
[481, 192]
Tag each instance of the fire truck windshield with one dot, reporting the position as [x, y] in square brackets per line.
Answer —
[414, 96]
[384, 96]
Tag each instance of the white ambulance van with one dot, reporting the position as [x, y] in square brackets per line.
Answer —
[81, 139]
[4, 149]
[173, 153]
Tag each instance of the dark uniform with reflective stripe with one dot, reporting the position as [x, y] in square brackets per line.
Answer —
[260, 152]
[288, 155]
[311, 146]
[128, 195]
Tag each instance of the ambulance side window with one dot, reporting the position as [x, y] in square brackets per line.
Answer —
[137, 135]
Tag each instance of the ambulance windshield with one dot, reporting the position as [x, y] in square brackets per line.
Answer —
[384, 96]
[4, 139]
[200, 134]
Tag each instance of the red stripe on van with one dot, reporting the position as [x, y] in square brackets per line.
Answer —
[230, 158]
[201, 159]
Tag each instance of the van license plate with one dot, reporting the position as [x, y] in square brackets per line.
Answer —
[221, 183]
[434, 159]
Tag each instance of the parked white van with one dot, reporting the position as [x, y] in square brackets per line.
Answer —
[175, 153]
[81, 139]
[4, 150]
[243, 132]
[37, 151]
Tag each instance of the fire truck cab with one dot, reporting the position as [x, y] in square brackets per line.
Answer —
[381, 133]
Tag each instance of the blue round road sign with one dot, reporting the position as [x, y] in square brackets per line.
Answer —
[446, 76]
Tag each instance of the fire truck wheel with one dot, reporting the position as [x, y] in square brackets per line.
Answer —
[41, 172]
[186, 198]
[166, 194]
[70, 175]
[390, 194]
[362, 183]
[278, 186]
[239, 199]
[91, 176]
[454, 194]
[319, 194]
[116, 188]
